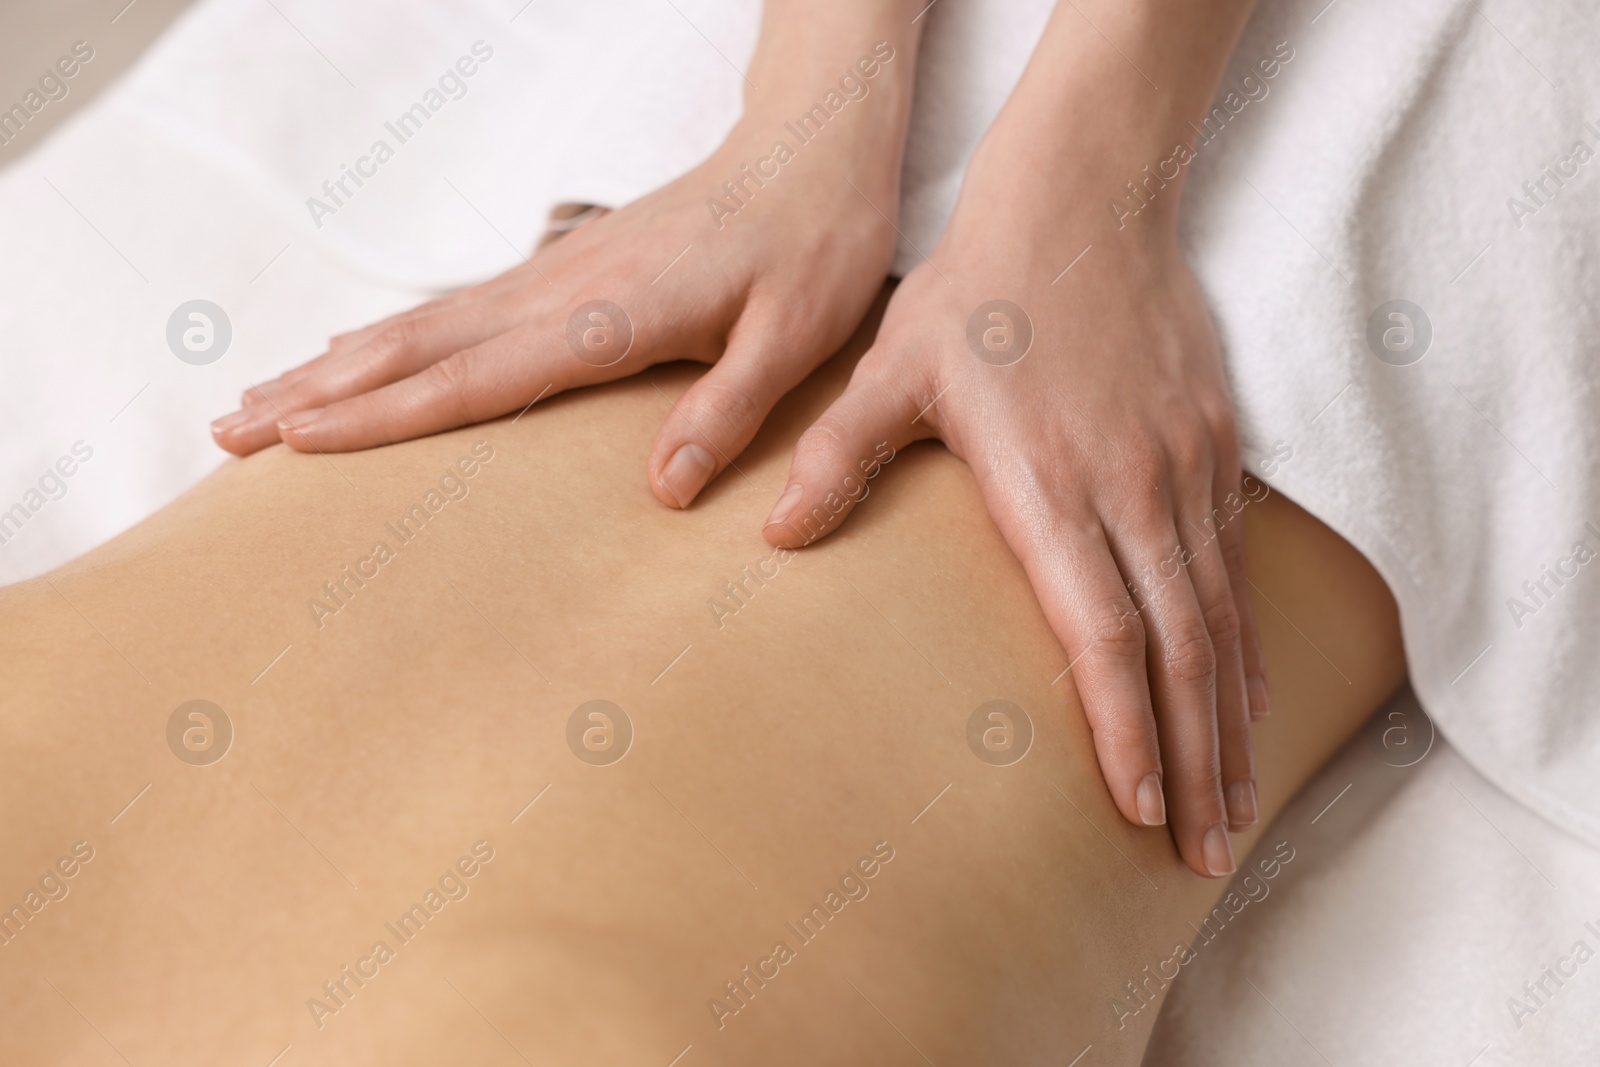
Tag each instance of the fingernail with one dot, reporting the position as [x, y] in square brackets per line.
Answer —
[1241, 797]
[229, 422]
[1260, 707]
[1152, 805]
[786, 503]
[1217, 851]
[687, 472]
[300, 421]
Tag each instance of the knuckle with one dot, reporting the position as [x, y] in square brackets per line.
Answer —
[825, 443]
[901, 361]
[1117, 632]
[1233, 556]
[1222, 623]
[310, 391]
[1188, 654]
[1191, 452]
[347, 338]
[1225, 433]
[888, 360]
[1145, 459]
[726, 406]
[393, 341]
[451, 379]
[1147, 512]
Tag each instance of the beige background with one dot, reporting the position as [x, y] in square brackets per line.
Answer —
[33, 34]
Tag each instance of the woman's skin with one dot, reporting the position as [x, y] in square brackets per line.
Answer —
[1106, 449]
[779, 738]
[1103, 456]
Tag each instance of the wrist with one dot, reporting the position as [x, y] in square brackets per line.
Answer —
[802, 41]
[1112, 129]
[835, 116]
[836, 73]
[1100, 174]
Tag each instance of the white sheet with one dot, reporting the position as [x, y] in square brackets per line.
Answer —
[1413, 926]
[1377, 167]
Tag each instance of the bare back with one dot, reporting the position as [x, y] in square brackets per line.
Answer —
[793, 831]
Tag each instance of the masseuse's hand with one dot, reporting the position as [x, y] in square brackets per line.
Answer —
[766, 285]
[1106, 455]
[1092, 409]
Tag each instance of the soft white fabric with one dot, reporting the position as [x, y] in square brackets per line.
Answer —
[1413, 926]
[1379, 169]
[1376, 167]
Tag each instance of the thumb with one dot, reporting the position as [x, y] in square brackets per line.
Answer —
[713, 421]
[879, 413]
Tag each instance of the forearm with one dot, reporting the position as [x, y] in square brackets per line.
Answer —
[1112, 88]
[856, 56]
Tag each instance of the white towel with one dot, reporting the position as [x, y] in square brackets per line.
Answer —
[1379, 169]
[1426, 918]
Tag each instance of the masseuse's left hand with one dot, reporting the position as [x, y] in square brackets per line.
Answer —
[1091, 406]
[762, 261]
[1106, 454]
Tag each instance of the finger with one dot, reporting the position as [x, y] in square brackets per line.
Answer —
[341, 344]
[1232, 543]
[344, 343]
[837, 458]
[713, 421]
[353, 339]
[478, 383]
[1086, 602]
[398, 352]
[271, 387]
[1182, 664]
[1208, 573]
[515, 279]
[418, 326]
[512, 280]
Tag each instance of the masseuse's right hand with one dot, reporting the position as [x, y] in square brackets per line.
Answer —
[765, 286]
